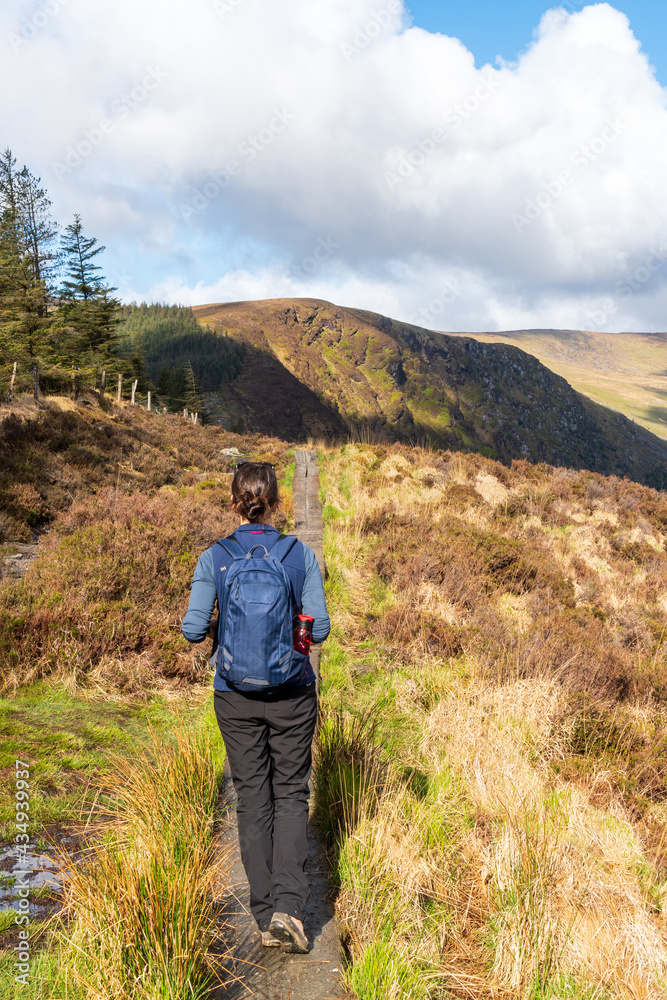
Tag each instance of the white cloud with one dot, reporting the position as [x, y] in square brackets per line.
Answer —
[218, 142]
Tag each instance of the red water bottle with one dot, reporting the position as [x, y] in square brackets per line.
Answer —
[302, 636]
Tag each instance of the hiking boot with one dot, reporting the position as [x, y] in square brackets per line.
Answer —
[269, 941]
[289, 931]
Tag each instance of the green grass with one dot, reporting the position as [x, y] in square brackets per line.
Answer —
[388, 970]
[7, 920]
[286, 480]
[45, 979]
[567, 987]
[140, 912]
[66, 738]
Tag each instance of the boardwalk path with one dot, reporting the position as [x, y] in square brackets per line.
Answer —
[269, 973]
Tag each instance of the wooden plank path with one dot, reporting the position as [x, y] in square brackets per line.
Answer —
[270, 973]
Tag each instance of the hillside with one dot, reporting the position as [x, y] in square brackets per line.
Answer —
[490, 768]
[313, 368]
[123, 501]
[103, 701]
[626, 371]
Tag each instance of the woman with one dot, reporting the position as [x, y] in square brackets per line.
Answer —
[267, 734]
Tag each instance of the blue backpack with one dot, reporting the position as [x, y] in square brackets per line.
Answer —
[257, 608]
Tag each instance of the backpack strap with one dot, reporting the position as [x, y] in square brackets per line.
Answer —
[233, 548]
[283, 546]
[280, 550]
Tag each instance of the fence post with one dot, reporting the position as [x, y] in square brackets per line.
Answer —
[196, 418]
[134, 389]
[35, 380]
[148, 404]
[103, 384]
[75, 386]
[120, 388]
[11, 382]
[185, 412]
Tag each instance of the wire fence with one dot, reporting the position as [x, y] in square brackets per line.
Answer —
[19, 378]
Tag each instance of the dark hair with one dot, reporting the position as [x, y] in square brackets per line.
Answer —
[254, 490]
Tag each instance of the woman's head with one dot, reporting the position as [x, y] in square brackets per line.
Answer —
[255, 490]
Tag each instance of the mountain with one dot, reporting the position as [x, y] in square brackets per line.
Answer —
[626, 371]
[315, 369]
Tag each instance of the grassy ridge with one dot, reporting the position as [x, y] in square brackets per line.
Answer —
[491, 769]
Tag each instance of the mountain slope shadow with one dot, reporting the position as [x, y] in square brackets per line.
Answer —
[268, 398]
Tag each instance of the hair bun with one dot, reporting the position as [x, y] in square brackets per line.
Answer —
[254, 490]
[254, 508]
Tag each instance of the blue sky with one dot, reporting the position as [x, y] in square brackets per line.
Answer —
[361, 151]
[490, 28]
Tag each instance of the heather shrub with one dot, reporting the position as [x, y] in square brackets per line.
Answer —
[131, 499]
[51, 457]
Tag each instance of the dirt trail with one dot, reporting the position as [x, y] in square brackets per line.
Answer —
[270, 973]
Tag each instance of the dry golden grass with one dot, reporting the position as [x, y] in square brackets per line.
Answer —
[516, 621]
[140, 905]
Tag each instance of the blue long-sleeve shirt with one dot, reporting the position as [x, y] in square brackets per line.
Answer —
[203, 596]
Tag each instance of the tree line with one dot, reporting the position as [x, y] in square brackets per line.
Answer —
[57, 311]
[174, 356]
[59, 317]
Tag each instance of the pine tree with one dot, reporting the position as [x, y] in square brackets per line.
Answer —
[192, 398]
[171, 387]
[25, 237]
[84, 278]
[89, 315]
[137, 370]
[39, 231]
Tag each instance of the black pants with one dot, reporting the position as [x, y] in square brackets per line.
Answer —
[268, 742]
